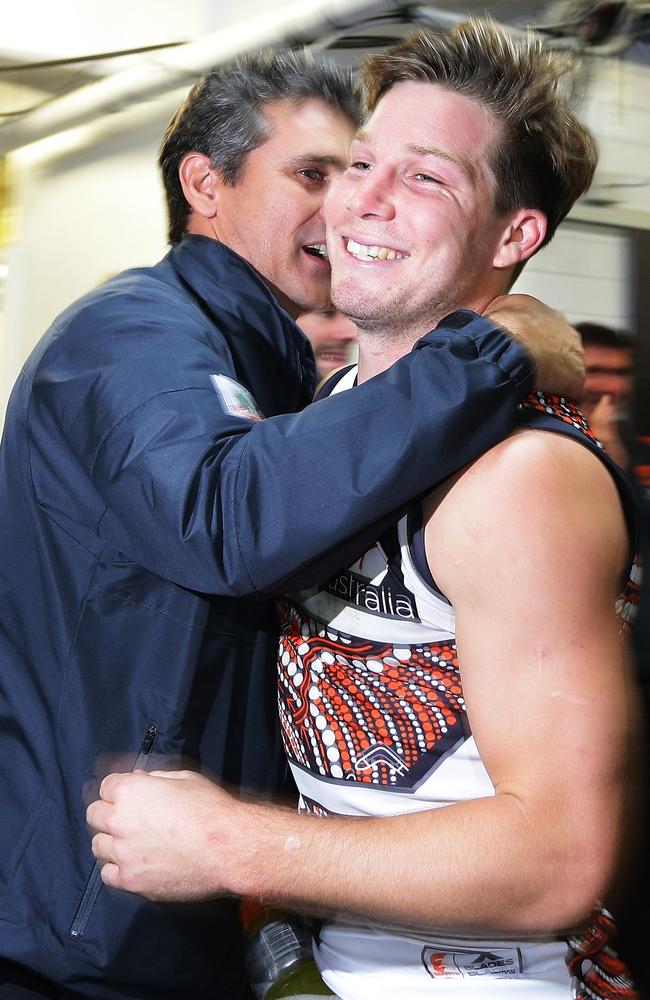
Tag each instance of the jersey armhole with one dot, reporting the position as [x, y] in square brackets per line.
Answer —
[417, 551]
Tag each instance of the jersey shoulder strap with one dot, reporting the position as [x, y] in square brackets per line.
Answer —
[342, 378]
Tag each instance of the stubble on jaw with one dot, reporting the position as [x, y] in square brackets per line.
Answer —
[386, 324]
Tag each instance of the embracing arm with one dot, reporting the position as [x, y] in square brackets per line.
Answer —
[530, 544]
[203, 498]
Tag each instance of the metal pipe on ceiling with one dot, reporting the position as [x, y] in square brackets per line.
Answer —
[181, 66]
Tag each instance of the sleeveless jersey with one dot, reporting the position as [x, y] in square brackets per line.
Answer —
[374, 723]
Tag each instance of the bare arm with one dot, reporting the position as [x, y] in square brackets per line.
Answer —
[529, 544]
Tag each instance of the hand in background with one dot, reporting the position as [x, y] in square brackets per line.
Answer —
[604, 423]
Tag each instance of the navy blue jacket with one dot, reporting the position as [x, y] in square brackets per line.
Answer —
[142, 528]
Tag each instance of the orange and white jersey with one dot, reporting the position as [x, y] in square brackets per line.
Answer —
[374, 723]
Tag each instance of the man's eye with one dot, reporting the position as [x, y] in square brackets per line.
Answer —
[359, 165]
[313, 174]
[427, 178]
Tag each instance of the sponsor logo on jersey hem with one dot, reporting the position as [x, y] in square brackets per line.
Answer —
[468, 964]
[377, 599]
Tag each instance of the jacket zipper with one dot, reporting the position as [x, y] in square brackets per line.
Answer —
[94, 883]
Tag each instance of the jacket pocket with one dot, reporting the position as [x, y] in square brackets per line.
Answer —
[94, 883]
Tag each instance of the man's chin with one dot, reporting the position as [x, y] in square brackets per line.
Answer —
[356, 305]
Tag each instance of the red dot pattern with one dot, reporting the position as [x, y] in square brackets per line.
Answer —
[370, 712]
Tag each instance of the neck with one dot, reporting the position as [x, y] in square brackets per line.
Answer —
[380, 348]
[379, 352]
[198, 226]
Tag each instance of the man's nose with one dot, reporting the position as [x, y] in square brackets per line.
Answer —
[373, 195]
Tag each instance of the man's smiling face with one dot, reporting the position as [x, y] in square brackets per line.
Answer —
[411, 229]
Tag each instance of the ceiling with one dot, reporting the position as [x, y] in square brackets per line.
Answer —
[59, 62]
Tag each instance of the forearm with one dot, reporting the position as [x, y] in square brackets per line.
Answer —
[499, 864]
[472, 867]
[289, 500]
[375, 449]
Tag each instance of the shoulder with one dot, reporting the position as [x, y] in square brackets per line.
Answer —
[531, 501]
[134, 317]
[529, 466]
[129, 341]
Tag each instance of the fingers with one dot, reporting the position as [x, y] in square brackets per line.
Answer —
[111, 876]
[604, 407]
[98, 814]
[102, 847]
[109, 786]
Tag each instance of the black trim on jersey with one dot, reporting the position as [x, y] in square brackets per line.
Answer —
[329, 384]
[417, 549]
[408, 783]
[535, 419]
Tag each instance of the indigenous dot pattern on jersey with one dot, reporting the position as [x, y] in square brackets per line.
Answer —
[363, 711]
[558, 406]
[597, 971]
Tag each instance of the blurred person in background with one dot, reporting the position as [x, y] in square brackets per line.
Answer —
[609, 357]
[154, 491]
[332, 337]
[469, 805]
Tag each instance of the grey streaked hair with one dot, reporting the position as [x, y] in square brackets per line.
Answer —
[223, 115]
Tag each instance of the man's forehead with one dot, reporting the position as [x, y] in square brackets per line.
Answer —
[433, 118]
[295, 113]
[608, 355]
[309, 129]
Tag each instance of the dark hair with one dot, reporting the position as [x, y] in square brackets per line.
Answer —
[223, 115]
[546, 158]
[597, 335]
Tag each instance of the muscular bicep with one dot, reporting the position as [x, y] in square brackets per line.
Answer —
[529, 545]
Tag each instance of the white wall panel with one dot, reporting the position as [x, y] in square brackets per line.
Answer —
[585, 272]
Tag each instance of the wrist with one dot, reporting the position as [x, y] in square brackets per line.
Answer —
[262, 858]
[492, 342]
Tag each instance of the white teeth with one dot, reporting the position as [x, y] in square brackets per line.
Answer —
[319, 248]
[362, 252]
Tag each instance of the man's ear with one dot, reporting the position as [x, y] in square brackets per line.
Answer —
[522, 237]
[200, 183]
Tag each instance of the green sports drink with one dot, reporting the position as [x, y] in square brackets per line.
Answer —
[302, 978]
[279, 958]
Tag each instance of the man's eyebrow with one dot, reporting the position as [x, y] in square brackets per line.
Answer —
[466, 166]
[323, 159]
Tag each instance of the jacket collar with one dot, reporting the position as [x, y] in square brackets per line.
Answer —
[269, 350]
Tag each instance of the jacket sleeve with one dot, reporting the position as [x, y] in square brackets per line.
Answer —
[221, 505]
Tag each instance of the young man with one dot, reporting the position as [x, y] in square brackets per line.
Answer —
[142, 500]
[491, 780]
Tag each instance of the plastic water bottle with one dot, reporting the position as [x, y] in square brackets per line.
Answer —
[279, 958]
